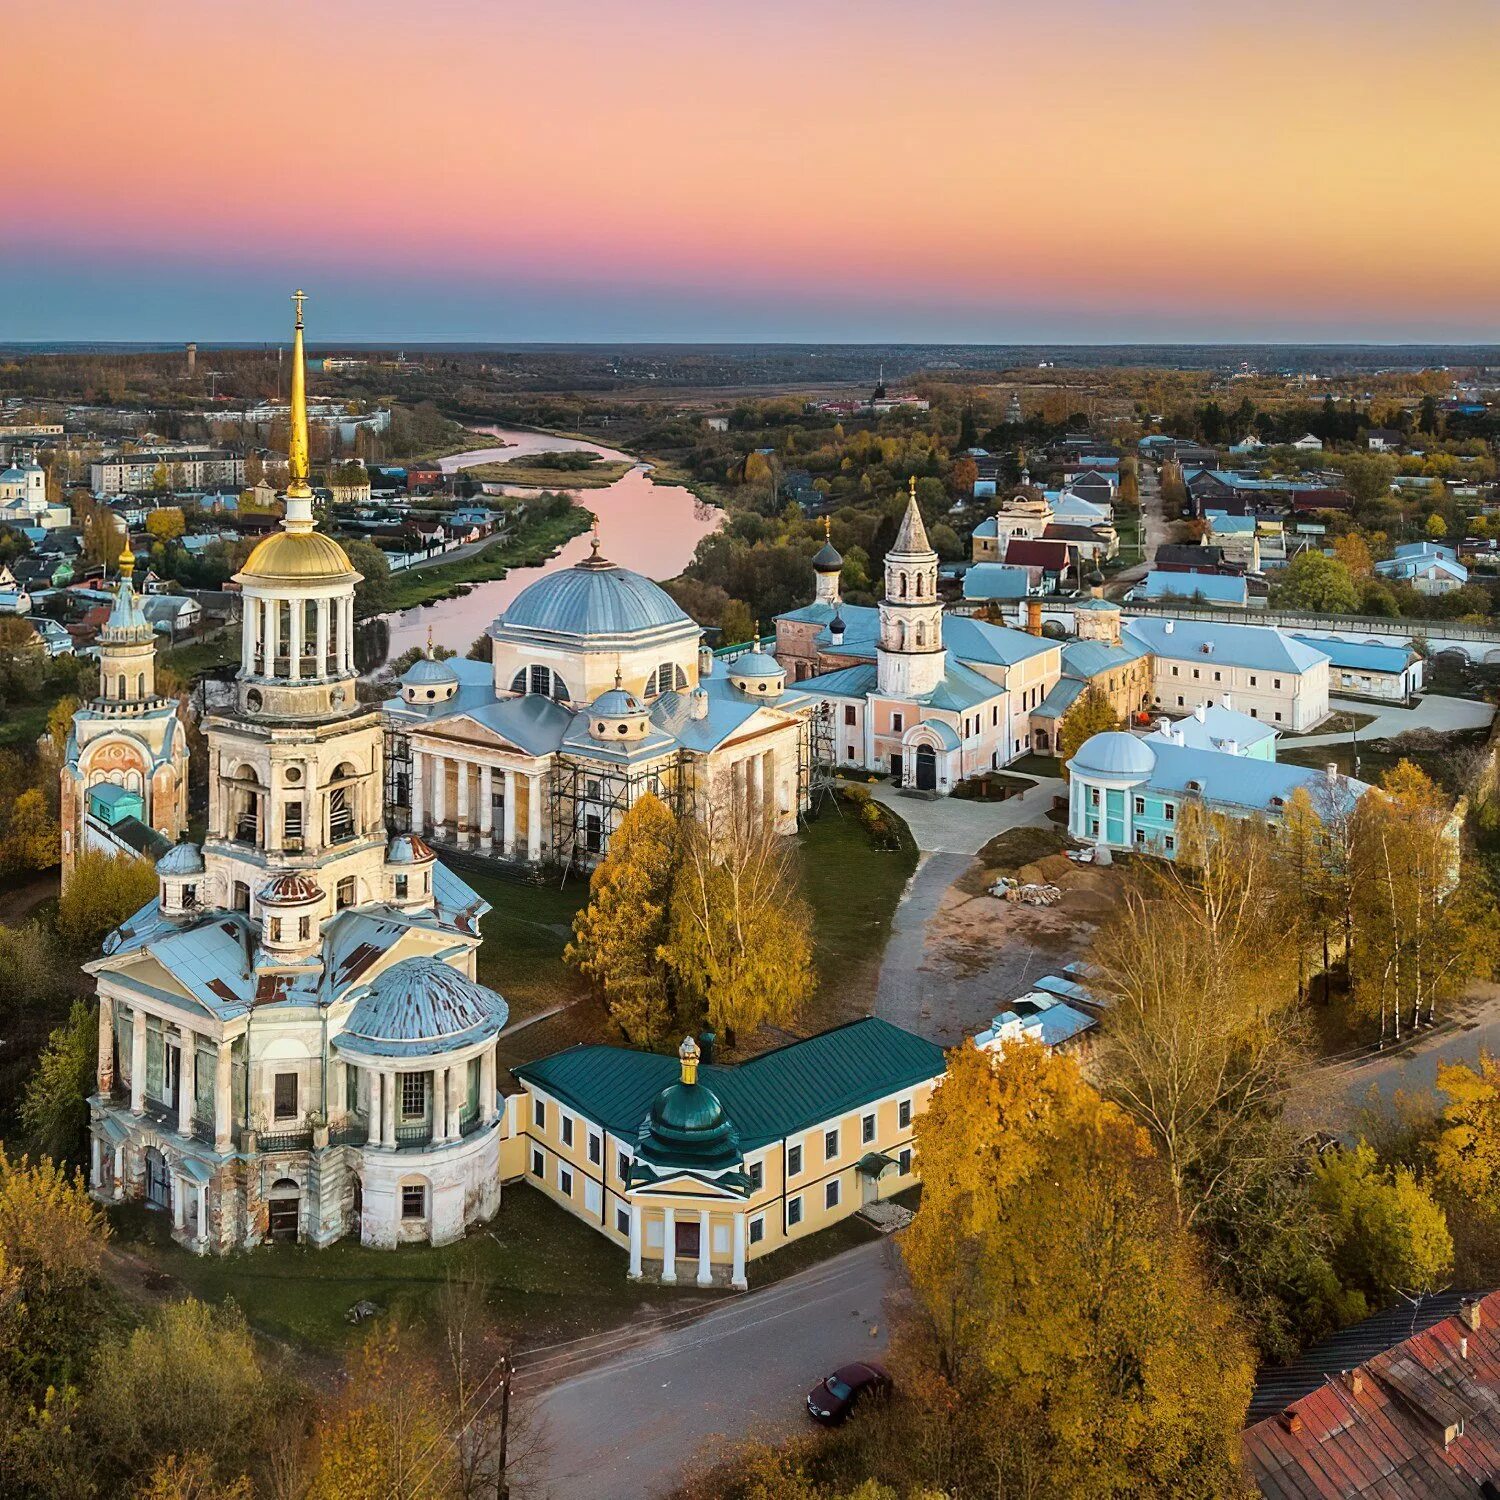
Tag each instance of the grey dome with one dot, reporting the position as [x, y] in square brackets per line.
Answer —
[421, 1005]
[428, 671]
[826, 559]
[1113, 753]
[594, 598]
[755, 664]
[616, 703]
[408, 849]
[181, 859]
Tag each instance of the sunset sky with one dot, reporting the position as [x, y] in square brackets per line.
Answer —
[752, 169]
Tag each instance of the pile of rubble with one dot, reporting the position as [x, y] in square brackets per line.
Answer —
[1030, 894]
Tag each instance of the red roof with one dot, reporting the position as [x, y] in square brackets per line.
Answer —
[1420, 1421]
[1053, 556]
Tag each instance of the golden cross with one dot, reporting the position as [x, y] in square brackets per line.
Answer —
[299, 297]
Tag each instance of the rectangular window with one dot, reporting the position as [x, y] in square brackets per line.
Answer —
[757, 1229]
[1093, 796]
[867, 1129]
[1140, 835]
[401, 887]
[622, 1163]
[622, 1221]
[344, 892]
[1196, 674]
[1171, 843]
[793, 1211]
[1218, 677]
[903, 1114]
[830, 1144]
[757, 1177]
[567, 1130]
[1278, 718]
[1252, 679]
[849, 754]
[304, 928]
[903, 1161]
[293, 822]
[414, 1201]
[565, 1182]
[1174, 671]
[1169, 811]
[793, 1160]
[898, 722]
[286, 1096]
[849, 713]
[596, 1148]
[831, 1194]
[413, 1095]
[1179, 700]
[538, 1164]
[539, 1113]
[1276, 682]
[1140, 807]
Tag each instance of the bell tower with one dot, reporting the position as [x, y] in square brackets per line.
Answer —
[911, 658]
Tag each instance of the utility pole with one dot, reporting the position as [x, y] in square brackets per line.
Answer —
[502, 1482]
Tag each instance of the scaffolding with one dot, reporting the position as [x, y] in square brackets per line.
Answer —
[398, 773]
[815, 760]
[589, 799]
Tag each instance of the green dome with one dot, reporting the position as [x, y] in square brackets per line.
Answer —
[687, 1126]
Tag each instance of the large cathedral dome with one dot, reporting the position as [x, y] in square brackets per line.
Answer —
[298, 557]
[593, 598]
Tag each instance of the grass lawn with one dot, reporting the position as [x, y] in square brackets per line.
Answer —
[26, 723]
[1337, 723]
[534, 543]
[549, 1276]
[1007, 852]
[810, 1250]
[192, 657]
[524, 936]
[853, 889]
[1376, 757]
[1033, 764]
[527, 471]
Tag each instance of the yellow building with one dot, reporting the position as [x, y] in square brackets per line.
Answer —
[695, 1169]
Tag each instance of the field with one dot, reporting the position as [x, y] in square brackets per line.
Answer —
[528, 471]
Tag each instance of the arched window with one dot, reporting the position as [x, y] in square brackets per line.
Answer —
[140, 685]
[667, 678]
[903, 585]
[919, 585]
[921, 634]
[121, 694]
[542, 680]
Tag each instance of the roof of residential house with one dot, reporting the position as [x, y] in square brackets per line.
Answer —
[1052, 557]
[1189, 555]
[1215, 588]
[1419, 1420]
[1362, 656]
[996, 581]
[768, 1098]
[1214, 727]
[1422, 562]
[1227, 525]
[1241, 781]
[1069, 531]
[1258, 646]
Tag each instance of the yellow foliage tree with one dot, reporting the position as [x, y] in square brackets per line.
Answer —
[1070, 1332]
[620, 937]
[31, 834]
[165, 524]
[104, 891]
[191, 1477]
[1091, 714]
[1467, 1159]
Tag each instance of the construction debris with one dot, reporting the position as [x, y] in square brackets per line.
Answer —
[1030, 894]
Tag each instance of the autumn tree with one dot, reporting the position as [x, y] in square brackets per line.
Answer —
[54, 1108]
[1388, 1233]
[740, 932]
[165, 524]
[1300, 881]
[104, 890]
[1201, 1041]
[31, 833]
[1067, 1341]
[1467, 1158]
[1354, 552]
[1092, 713]
[1316, 583]
[620, 938]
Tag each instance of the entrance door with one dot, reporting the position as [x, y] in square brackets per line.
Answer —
[282, 1211]
[687, 1239]
[158, 1180]
[896, 769]
[926, 768]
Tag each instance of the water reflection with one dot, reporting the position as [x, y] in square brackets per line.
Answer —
[650, 528]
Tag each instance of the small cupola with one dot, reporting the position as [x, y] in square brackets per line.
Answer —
[181, 873]
[409, 862]
[618, 717]
[428, 680]
[756, 674]
[289, 910]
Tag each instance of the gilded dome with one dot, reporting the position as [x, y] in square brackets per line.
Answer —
[298, 557]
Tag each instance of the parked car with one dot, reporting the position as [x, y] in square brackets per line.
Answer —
[834, 1397]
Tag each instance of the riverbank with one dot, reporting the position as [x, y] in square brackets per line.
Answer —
[520, 471]
[533, 544]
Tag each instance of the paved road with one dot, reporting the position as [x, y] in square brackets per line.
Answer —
[1432, 712]
[1158, 530]
[629, 1428]
[955, 825]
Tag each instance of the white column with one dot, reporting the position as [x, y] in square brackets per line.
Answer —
[138, 1062]
[223, 1099]
[372, 1107]
[346, 655]
[388, 1113]
[534, 818]
[737, 1277]
[705, 1250]
[322, 638]
[465, 832]
[202, 1213]
[486, 808]
[418, 803]
[187, 1073]
[271, 609]
[120, 1171]
[635, 1241]
[669, 1244]
[458, 1075]
[508, 816]
[294, 646]
[440, 795]
[179, 1202]
[104, 1067]
[487, 1084]
[247, 638]
[95, 1160]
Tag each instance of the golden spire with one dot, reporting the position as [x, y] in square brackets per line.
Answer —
[912, 488]
[688, 1054]
[827, 530]
[127, 561]
[298, 488]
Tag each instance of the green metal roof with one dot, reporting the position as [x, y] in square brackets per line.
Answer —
[767, 1098]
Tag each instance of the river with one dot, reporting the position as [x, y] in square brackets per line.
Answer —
[649, 528]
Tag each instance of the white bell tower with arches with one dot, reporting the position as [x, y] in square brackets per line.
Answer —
[911, 658]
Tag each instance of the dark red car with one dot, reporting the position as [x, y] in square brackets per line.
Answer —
[834, 1397]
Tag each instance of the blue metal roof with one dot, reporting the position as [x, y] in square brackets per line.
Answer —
[971, 640]
[1257, 646]
[1363, 656]
[420, 1006]
[989, 580]
[593, 599]
[1213, 587]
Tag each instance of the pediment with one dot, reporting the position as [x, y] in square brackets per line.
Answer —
[463, 730]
